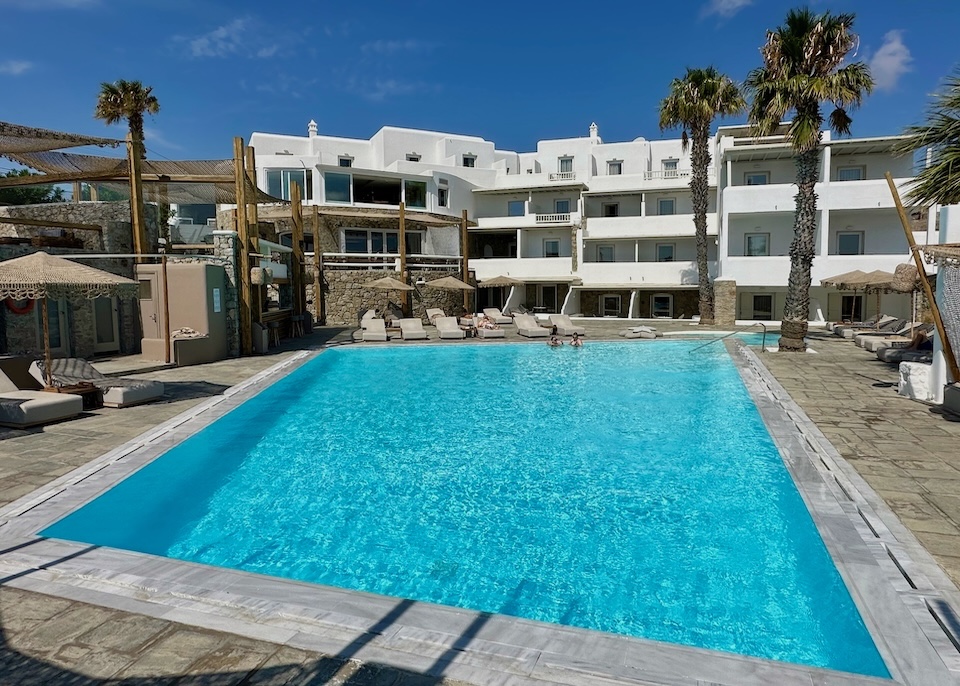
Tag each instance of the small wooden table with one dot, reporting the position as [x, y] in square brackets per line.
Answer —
[90, 394]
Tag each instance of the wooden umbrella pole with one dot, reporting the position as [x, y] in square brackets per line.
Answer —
[922, 273]
[44, 312]
[166, 310]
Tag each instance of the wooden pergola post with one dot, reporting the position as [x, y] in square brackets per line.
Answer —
[317, 266]
[253, 232]
[466, 264]
[403, 258]
[243, 235]
[137, 219]
[296, 277]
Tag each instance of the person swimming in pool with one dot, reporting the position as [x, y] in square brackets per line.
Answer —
[576, 341]
[554, 342]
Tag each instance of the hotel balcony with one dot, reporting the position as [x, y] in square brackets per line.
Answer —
[836, 195]
[777, 197]
[774, 271]
[673, 225]
[563, 176]
[529, 221]
[523, 268]
[642, 274]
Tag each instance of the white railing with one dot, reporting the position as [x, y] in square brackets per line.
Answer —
[662, 174]
[563, 176]
[563, 218]
[353, 260]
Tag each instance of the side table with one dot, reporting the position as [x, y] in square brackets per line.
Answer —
[90, 394]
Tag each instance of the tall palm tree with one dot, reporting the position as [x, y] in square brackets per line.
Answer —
[693, 103]
[938, 182]
[801, 69]
[128, 100]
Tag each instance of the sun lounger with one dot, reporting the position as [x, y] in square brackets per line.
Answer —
[877, 343]
[496, 315]
[640, 332]
[24, 403]
[366, 317]
[412, 330]
[871, 323]
[484, 332]
[565, 327]
[448, 328]
[116, 392]
[528, 327]
[375, 330]
[861, 337]
[433, 313]
[898, 355]
[886, 326]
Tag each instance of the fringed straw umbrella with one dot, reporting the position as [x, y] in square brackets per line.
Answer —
[41, 276]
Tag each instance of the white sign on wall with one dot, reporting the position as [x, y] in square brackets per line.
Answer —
[216, 300]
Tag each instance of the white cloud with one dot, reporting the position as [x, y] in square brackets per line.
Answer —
[222, 41]
[890, 62]
[242, 37]
[724, 8]
[15, 67]
[391, 47]
[153, 136]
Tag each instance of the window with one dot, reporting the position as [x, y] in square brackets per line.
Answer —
[565, 165]
[146, 289]
[849, 242]
[547, 297]
[666, 206]
[614, 168]
[279, 180]
[610, 306]
[763, 307]
[336, 187]
[551, 247]
[605, 253]
[661, 305]
[851, 173]
[610, 209]
[516, 208]
[561, 206]
[413, 157]
[665, 252]
[469, 160]
[345, 161]
[756, 244]
[443, 197]
[669, 169]
[415, 194]
[761, 178]
[851, 308]
[377, 241]
[355, 241]
[414, 241]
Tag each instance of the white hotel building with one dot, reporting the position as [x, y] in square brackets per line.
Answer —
[606, 229]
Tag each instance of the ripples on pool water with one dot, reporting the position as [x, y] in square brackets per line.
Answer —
[625, 487]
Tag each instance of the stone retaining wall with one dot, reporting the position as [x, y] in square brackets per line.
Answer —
[345, 294]
[113, 217]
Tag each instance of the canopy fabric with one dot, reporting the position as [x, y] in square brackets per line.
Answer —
[388, 283]
[15, 138]
[451, 283]
[500, 281]
[845, 281]
[40, 275]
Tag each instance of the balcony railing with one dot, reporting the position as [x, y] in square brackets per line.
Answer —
[353, 260]
[561, 218]
[666, 174]
[563, 176]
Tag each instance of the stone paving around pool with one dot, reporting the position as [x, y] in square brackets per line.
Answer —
[906, 451]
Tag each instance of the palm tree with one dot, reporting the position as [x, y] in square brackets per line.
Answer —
[801, 69]
[939, 182]
[693, 103]
[126, 100]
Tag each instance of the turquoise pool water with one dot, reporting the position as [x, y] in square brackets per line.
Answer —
[621, 487]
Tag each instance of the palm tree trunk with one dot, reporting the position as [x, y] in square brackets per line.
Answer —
[796, 309]
[699, 190]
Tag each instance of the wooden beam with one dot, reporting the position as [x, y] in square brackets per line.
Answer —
[403, 257]
[94, 192]
[317, 266]
[49, 223]
[466, 265]
[948, 353]
[296, 277]
[67, 177]
[76, 191]
[166, 310]
[243, 228]
[137, 218]
[253, 233]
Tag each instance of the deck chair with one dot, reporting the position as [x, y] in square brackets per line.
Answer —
[885, 324]
[433, 313]
[528, 327]
[496, 315]
[71, 371]
[448, 328]
[641, 332]
[565, 327]
[412, 330]
[375, 331]
[24, 403]
[861, 337]
[483, 332]
[877, 343]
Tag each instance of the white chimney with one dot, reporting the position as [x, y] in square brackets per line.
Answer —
[595, 133]
[312, 129]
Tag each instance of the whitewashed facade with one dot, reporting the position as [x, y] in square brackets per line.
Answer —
[606, 229]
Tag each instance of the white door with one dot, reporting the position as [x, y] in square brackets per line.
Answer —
[106, 326]
[59, 333]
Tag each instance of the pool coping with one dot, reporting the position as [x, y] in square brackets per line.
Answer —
[891, 578]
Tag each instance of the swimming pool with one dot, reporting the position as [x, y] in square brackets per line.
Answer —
[568, 486]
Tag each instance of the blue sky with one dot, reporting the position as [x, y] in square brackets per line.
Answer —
[511, 72]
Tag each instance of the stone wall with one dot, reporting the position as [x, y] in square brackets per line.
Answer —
[590, 303]
[113, 217]
[724, 303]
[345, 294]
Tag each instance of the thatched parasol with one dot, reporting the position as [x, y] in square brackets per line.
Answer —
[41, 276]
[846, 281]
[450, 283]
[388, 283]
[500, 281]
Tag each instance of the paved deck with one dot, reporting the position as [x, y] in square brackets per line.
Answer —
[906, 452]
